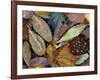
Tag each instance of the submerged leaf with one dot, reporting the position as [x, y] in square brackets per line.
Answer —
[26, 53]
[72, 32]
[42, 28]
[37, 43]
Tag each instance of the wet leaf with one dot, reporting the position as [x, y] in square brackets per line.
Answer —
[72, 32]
[37, 43]
[42, 28]
[26, 53]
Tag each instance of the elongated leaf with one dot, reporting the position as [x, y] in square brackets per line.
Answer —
[42, 28]
[37, 43]
[26, 53]
[72, 32]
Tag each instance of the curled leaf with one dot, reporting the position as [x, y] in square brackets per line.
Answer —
[26, 53]
[72, 32]
[37, 43]
[42, 28]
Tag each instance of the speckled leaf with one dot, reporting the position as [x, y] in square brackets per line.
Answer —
[72, 32]
[42, 28]
[26, 53]
[37, 43]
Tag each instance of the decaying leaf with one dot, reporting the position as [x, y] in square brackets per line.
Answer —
[82, 59]
[37, 43]
[72, 32]
[42, 28]
[26, 53]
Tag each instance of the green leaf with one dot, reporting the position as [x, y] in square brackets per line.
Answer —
[72, 33]
[82, 59]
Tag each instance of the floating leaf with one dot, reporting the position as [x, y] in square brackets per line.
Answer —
[42, 28]
[82, 59]
[26, 53]
[37, 43]
[72, 32]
